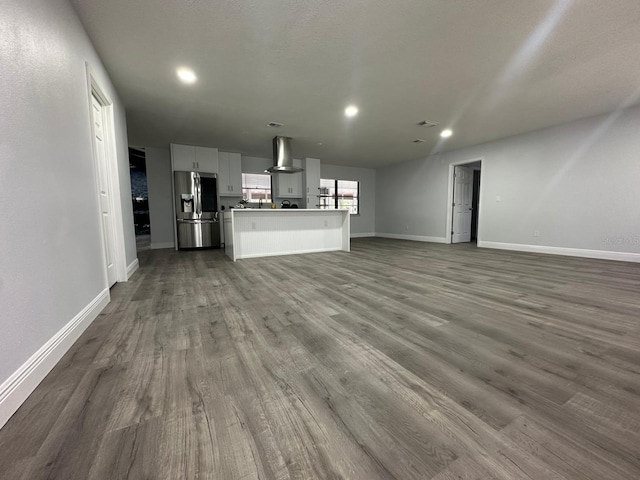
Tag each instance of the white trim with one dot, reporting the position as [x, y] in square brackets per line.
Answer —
[569, 252]
[113, 181]
[362, 235]
[415, 238]
[157, 246]
[297, 252]
[115, 199]
[131, 269]
[15, 390]
[173, 195]
[449, 224]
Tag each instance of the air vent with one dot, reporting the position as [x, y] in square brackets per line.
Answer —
[426, 124]
[419, 140]
[274, 124]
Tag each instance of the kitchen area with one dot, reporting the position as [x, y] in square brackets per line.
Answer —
[209, 210]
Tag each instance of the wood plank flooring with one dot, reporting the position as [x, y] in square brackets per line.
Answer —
[399, 360]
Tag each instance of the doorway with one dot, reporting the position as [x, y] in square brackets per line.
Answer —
[463, 212]
[104, 187]
[475, 203]
[140, 197]
[105, 163]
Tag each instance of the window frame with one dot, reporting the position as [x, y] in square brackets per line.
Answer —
[268, 192]
[336, 198]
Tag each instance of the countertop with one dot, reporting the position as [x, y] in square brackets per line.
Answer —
[286, 210]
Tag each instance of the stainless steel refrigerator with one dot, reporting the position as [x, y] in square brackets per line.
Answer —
[196, 203]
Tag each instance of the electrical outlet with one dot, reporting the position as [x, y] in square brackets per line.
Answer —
[253, 225]
[536, 233]
[326, 223]
[498, 198]
[406, 228]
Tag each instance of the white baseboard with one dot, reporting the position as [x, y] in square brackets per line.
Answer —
[297, 252]
[570, 252]
[15, 390]
[160, 245]
[416, 238]
[131, 269]
[362, 235]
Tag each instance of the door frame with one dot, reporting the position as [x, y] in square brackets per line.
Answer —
[449, 223]
[115, 203]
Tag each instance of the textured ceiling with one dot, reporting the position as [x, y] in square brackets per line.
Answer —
[485, 68]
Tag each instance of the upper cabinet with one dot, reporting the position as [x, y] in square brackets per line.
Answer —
[183, 157]
[229, 174]
[289, 185]
[207, 159]
[311, 182]
[227, 165]
[190, 158]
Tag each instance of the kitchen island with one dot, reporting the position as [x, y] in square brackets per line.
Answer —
[252, 232]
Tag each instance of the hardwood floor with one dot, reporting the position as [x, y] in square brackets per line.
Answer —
[399, 360]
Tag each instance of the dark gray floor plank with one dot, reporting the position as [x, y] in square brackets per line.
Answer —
[397, 360]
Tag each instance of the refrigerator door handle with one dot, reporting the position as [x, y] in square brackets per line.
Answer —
[197, 221]
[198, 186]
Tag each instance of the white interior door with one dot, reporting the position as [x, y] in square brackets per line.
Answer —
[462, 201]
[103, 188]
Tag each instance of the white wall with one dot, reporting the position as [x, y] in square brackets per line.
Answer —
[51, 258]
[158, 164]
[575, 183]
[411, 199]
[363, 224]
[255, 164]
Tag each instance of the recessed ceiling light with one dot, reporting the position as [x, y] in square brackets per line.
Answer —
[351, 111]
[186, 75]
[446, 133]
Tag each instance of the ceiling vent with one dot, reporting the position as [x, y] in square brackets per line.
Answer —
[426, 124]
[275, 125]
[419, 140]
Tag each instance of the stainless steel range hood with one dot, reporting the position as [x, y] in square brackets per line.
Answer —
[282, 158]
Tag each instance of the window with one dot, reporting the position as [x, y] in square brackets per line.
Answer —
[256, 187]
[340, 194]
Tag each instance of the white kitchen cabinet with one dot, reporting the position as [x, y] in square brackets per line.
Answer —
[207, 159]
[229, 174]
[311, 181]
[289, 185]
[189, 158]
[183, 157]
